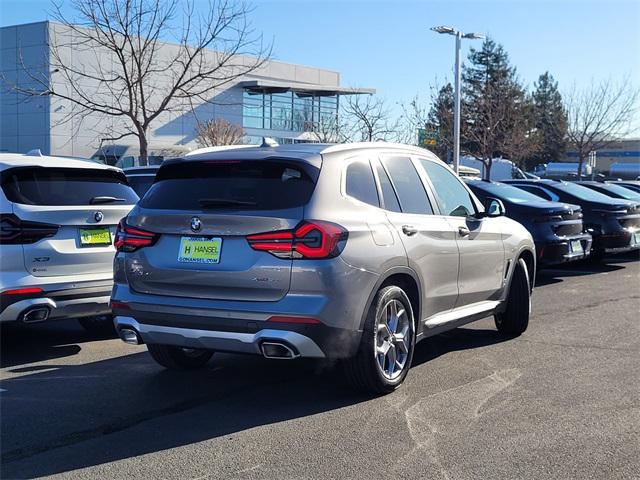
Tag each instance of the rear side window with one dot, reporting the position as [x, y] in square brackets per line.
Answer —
[406, 182]
[360, 183]
[231, 185]
[66, 186]
[388, 195]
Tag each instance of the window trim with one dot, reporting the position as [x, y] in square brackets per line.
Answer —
[477, 205]
[343, 183]
[435, 209]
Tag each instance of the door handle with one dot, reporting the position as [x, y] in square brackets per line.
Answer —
[463, 231]
[409, 230]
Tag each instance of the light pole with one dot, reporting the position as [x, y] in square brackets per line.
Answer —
[456, 109]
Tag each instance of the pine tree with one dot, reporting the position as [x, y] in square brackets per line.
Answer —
[550, 120]
[440, 119]
[495, 108]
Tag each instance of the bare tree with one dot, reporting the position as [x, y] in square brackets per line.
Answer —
[367, 119]
[134, 76]
[213, 133]
[600, 115]
[415, 115]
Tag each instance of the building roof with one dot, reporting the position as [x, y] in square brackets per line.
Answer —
[275, 86]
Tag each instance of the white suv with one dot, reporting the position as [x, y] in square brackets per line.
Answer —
[57, 222]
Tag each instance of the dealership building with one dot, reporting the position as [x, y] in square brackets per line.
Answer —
[279, 100]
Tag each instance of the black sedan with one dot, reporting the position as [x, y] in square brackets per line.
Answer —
[614, 223]
[612, 190]
[556, 227]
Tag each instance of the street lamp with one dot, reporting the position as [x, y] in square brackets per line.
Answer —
[456, 110]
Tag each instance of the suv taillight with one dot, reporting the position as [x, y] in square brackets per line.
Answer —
[314, 239]
[130, 239]
[14, 231]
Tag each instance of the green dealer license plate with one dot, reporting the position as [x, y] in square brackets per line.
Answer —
[94, 237]
[200, 250]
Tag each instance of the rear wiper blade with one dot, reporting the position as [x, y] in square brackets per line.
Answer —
[222, 202]
[96, 200]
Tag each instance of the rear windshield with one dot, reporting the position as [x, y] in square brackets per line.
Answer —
[583, 193]
[141, 183]
[506, 192]
[621, 191]
[231, 185]
[66, 186]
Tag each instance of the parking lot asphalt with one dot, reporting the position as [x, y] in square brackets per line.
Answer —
[561, 401]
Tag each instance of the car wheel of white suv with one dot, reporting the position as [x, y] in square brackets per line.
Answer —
[515, 319]
[178, 358]
[386, 348]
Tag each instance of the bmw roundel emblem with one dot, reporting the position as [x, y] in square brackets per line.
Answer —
[98, 216]
[196, 224]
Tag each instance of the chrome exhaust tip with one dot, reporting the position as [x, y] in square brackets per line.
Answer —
[130, 336]
[34, 315]
[277, 350]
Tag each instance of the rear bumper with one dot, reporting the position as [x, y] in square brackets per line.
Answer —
[561, 251]
[621, 241]
[226, 341]
[233, 326]
[65, 300]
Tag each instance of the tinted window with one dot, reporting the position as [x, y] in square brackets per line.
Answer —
[536, 191]
[411, 193]
[583, 193]
[360, 183]
[66, 186]
[454, 199]
[619, 191]
[141, 183]
[504, 192]
[389, 196]
[231, 185]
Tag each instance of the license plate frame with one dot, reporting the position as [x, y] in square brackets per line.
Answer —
[576, 246]
[86, 237]
[203, 258]
[635, 239]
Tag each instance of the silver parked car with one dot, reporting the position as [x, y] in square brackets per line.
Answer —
[352, 252]
[58, 217]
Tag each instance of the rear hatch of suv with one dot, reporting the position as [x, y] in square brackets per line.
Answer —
[65, 218]
[200, 214]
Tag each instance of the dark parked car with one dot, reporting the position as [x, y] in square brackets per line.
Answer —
[614, 223]
[141, 178]
[612, 190]
[556, 227]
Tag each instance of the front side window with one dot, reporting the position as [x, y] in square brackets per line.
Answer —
[360, 183]
[406, 182]
[453, 197]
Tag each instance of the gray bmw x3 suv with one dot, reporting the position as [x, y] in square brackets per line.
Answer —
[349, 252]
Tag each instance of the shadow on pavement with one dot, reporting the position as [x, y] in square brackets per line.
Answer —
[555, 273]
[132, 397]
[21, 344]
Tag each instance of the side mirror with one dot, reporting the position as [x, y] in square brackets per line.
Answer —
[494, 207]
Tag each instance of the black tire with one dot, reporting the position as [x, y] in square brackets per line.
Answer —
[362, 370]
[515, 319]
[597, 255]
[178, 358]
[101, 325]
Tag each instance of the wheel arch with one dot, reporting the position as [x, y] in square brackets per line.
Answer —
[405, 278]
[530, 260]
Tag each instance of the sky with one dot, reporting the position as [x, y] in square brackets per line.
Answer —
[387, 45]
